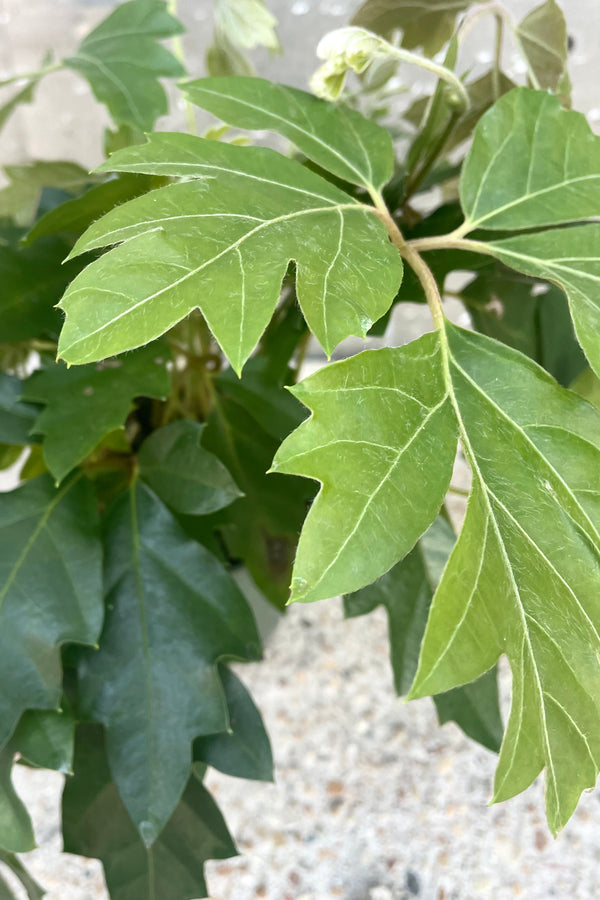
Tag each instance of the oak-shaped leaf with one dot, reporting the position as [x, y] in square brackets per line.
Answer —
[381, 439]
[50, 590]
[334, 136]
[424, 24]
[245, 750]
[523, 577]
[535, 165]
[221, 241]
[172, 614]
[96, 824]
[406, 592]
[123, 60]
[185, 475]
[83, 404]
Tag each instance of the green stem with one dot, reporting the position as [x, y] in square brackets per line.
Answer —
[442, 72]
[435, 152]
[452, 241]
[497, 70]
[32, 76]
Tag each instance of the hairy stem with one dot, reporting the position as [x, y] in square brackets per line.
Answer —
[442, 72]
[32, 76]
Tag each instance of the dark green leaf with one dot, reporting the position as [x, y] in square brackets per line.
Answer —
[222, 242]
[16, 832]
[122, 61]
[183, 473]
[84, 404]
[96, 824]
[332, 135]
[245, 751]
[425, 23]
[172, 614]
[44, 738]
[379, 420]
[50, 590]
[16, 418]
[19, 200]
[474, 707]
[34, 891]
[523, 577]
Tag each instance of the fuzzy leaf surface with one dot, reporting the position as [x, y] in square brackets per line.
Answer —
[337, 138]
[50, 590]
[96, 824]
[522, 579]
[245, 751]
[379, 421]
[222, 242]
[406, 592]
[172, 614]
[123, 60]
[83, 404]
[425, 23]
[185, 475]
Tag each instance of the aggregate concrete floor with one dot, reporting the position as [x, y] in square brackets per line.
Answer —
[373, 801]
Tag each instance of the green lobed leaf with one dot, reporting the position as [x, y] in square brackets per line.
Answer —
[406, 592]
[50, 590]
[379, 420]
[185, 475]
[529, 590]
[425, 23]
[245, 750]
[84, 404]
[32, 888]
[96, 824]
[44, 738]
[337, 138]
[122, 60]
[222, 242]
[543, 39]
[16, 831]
[172, 614]
[534, 164]
[16, 418]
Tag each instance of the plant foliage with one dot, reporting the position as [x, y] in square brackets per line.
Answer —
[179, 446]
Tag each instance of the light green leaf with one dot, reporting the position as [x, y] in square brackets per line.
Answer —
[19, 200]
[96, 824]
[16, 832]
[50, 590]
[543, 39]
[84, 404]
[44, 738]
[222, 242]
[530, 588]
[185, 475]
[532, 163]
[33, 889]
[337, 138]
[172, 614]
[122, 61]
[16, 418]
[406, 592]
[246, 23]
[245, 751]
[425, 23]
[379, 421]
